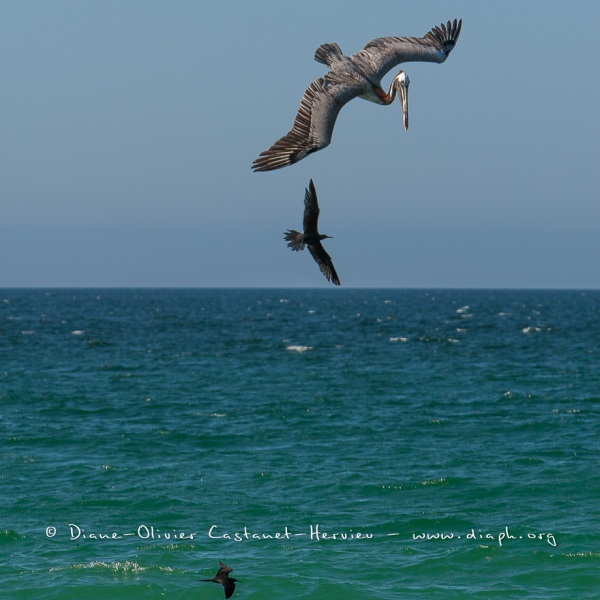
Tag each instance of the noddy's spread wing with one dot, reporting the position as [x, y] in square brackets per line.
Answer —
[324, 261]
[222, 577]
[311, 236]
[310, 222]
[311, 230]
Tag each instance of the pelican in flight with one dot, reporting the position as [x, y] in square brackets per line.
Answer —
[354, 76]
[222, 577]
[311, 236]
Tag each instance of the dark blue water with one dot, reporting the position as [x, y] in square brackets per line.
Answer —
[324, 443]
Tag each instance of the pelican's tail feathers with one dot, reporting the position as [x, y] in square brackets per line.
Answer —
[328, 54]
[295, 240]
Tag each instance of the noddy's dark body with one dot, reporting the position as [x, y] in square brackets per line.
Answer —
[222, 577]
[311, 236]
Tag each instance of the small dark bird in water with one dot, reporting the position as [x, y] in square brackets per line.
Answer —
[222, 577]
[311, 236]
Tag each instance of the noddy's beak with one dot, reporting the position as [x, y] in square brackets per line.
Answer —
[403, 97]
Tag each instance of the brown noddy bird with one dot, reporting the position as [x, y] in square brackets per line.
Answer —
[222, 577]
[311, 237]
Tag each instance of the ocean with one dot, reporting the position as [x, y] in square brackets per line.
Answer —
[324, 443]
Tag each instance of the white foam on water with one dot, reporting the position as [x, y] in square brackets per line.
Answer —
[530, 329]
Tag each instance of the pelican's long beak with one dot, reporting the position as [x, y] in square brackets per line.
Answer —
[403, 97]
[401, 83]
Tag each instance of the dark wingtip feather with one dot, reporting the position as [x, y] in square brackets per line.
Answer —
[446, 35]
[310, 196]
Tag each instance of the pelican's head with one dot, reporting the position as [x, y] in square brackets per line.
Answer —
[401, 83]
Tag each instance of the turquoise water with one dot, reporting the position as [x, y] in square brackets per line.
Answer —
[356, 444]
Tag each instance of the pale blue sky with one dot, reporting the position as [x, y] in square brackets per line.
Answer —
[128, 129]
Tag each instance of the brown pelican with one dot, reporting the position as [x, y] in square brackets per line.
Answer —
[223, 578]
[354, 76]
[311, 236]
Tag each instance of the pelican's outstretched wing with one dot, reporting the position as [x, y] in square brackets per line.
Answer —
[313, 126]
[324, 261]
[384, 53]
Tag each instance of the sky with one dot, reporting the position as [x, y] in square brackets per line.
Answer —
[128, 129]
